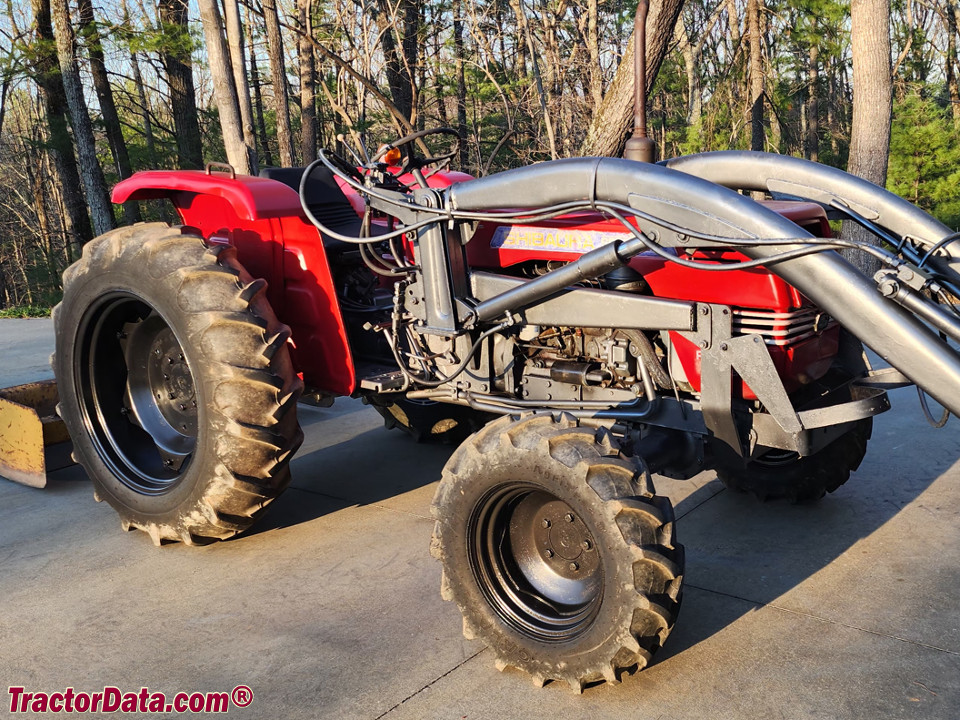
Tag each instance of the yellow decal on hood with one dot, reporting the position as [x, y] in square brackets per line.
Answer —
[547, 239]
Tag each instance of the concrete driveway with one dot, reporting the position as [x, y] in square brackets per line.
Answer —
[330, 607]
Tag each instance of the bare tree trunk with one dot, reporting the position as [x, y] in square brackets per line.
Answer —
[4, 89]
[694, 96]
[308, 98]
[438, 89]
[524, 26]
[278, 76]
[60, 147]
[410, 46]
[733, 23]
[400, 61]
[458, 58]
[108, 108]
[756, 76]
[610, 126]
[691, 53]
[225, 91]
[91, 173]
[833, 123]
[872, 100]
[812, 106]
[593, 49]
[179, 70]
[953, 86]
[148, 138]
[238, 64]
[264, 150]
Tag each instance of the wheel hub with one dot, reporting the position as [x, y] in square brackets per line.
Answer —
[160, 388]
[167, 371]
[137, 391]
[537, 562]
[564, 541]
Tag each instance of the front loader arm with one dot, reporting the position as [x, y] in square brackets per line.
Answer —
[671, 199]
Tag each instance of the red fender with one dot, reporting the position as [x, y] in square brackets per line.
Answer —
[262, 218]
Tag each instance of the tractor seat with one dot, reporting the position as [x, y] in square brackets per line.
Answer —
[325, 200]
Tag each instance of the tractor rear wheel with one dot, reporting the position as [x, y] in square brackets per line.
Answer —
[556, 550]
[175, 383]
[784, 474]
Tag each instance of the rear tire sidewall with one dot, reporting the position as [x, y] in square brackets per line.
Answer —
[81, 298]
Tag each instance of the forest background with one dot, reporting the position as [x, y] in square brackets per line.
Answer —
[93, 90]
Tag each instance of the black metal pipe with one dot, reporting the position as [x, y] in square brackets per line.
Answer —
[587, 267]
[945, 322]
[640, 147]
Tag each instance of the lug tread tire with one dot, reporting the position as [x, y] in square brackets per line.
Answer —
[240, 358]
[635, 528]
[805, 479]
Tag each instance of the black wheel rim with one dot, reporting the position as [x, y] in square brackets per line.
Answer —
[536, 562]
[136, 393]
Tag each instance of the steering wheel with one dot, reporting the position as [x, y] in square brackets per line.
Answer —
[410, 161]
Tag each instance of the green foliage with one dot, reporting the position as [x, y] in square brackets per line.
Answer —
[26, 311]
[924, 162]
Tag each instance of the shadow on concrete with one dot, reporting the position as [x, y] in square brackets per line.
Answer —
[366, 469]
[743, 554]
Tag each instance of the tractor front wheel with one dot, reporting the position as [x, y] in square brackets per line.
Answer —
[556, 550]
[176, 383]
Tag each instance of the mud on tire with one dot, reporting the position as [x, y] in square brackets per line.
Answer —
[176, 383]
[556, 550]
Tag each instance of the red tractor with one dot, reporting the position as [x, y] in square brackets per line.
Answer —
[577, 325]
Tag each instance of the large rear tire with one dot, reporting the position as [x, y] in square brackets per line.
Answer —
[176, 383]
[556, 550]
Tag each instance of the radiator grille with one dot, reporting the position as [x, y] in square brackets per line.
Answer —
[781, 328]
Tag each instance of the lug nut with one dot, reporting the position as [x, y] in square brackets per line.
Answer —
[569, 517]
[548, 553]
[545, 523]
[586, 545]
[574, 566]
